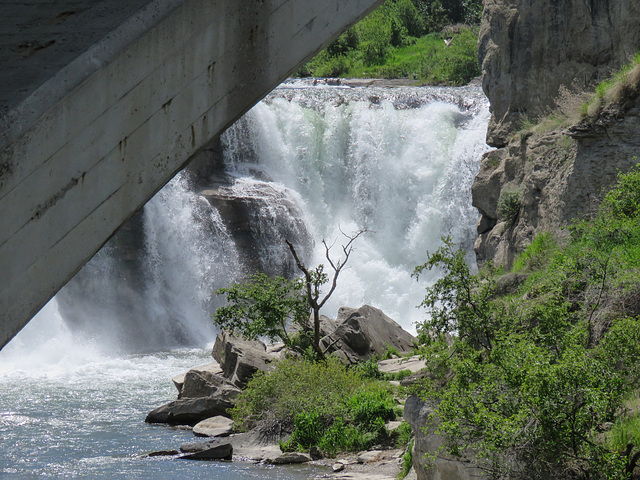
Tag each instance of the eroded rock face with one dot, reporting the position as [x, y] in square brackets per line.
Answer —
[558, 175]
[240, 359]
[529, 49]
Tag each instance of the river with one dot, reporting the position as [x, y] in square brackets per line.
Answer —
[311, 161]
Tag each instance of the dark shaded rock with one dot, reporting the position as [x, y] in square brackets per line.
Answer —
[240, 359]
[364, 332]
[163, 453]
[258, 445]
[189, 411]
[219, 452]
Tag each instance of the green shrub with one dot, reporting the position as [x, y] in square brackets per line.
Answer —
[323, 404]
[624, 201]
[509, 204]
[372, 407]
[296, 386]
[531, 378]
[403, 435]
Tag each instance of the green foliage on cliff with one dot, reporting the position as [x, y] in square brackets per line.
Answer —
[324, 404]
[533, 380]
[405, 39]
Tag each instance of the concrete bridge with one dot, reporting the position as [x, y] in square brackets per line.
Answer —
[103, 101]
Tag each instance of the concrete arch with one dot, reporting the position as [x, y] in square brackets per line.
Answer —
[103, 102]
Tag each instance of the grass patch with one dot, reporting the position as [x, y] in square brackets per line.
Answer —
[427, 59]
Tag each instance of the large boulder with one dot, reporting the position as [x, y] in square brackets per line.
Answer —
[214, 427]
[213, 367]
[202, 383]
[364, 332]
[426, 443]
[240, 359]
[190, 411]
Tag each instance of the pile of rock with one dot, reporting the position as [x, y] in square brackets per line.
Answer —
[207, 393]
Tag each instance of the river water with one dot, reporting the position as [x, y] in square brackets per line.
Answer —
[313, 161]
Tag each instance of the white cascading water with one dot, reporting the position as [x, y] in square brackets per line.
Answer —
[307, 163]
[399, 167]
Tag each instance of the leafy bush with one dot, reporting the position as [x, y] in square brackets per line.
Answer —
[323, 404]
[509, 205]
[530, 379]
[296, 386]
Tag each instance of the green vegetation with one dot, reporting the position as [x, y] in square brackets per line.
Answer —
[614, 89]
[418, 39]
[262, 306]
[324, 404]
[509, 205]
[535, 380]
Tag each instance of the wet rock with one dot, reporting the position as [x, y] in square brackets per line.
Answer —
[290, 458]
[190, 411]
[163, 453]
[338, 467]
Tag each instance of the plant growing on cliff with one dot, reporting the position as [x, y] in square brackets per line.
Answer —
[534, 396]
[509, 204]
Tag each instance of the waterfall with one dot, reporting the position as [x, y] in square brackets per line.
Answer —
[397, 163]
[306, 164]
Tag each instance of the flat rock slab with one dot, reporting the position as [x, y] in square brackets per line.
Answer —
[289, 458]
[217, 426]
[394, 365]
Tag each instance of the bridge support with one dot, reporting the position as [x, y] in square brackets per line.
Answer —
[85, 148]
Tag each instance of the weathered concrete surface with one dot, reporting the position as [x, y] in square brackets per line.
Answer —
[102, 102]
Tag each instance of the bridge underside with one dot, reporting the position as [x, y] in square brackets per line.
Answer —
[103, 101]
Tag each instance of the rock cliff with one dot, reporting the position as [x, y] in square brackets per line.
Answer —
[540, 178]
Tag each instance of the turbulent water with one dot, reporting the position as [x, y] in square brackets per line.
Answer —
[307, 163]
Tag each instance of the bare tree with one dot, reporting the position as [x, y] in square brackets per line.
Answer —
[315, 278]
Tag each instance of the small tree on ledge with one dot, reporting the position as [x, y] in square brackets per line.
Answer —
[262, 306]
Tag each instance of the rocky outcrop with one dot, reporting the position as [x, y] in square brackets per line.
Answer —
[240, 359]
[364, 332]
[529, 49]
[555, 175]
[531, 52]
